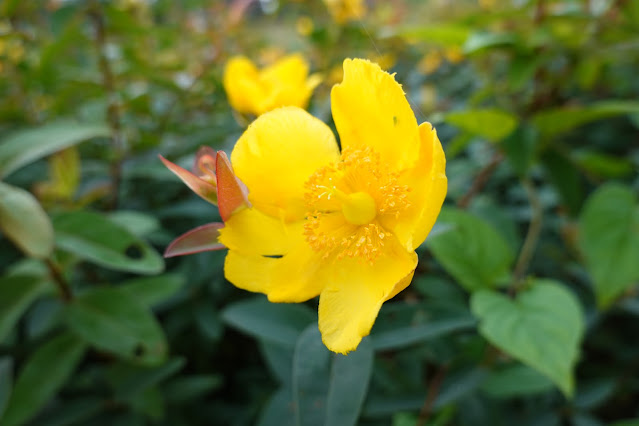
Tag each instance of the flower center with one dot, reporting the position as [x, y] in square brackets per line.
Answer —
[358, 208]
[345, 202]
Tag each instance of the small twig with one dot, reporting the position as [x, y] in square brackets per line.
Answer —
[431, 395]
[481, 180]
[532, 236]
[59, 280]
[113, 109]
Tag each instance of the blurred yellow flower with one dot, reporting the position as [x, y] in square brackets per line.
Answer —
[340, 225]
[284, 83]
[430, 62]
[346, 10]
[454, 55]
[304, 26]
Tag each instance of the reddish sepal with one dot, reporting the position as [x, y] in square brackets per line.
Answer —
[232, 194]
[197, 240]
[205, 189]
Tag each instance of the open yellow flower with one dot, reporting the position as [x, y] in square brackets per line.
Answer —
[342, 225]
[303, 219]
[284, 83]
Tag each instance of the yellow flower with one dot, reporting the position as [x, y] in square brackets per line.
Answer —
[346, 10]
[303, 219]
[340, 225]
[454, 54]
[430, 62]
[253, 91]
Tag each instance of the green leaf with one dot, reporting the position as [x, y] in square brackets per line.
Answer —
[279, 410]
[329, 389]
[609, 240]
[553, 122]
[515, 381]
[349, 378]
[128, 381]
[442, 34]
[24, 222]
[603, 165]
[405, 336]
[490, 123]
[44, 373]
[483, 40]
[151, 291]
[520, 148]
[184, 389]
[92, 237]
[16, 295]
[542, 328]
[474, 253]
[138, 224]
[25, 146]
[112, 320]
[566, 179]
[6, 382]
[279, 323]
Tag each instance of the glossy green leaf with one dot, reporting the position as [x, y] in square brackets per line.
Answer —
[24, 222]
[542, 328]
[25, 146]
[490, 123]
[94, 238]
[515, 381]
[152, 291]
[329, 389]
[474, 253]
[115, 321]
[401, 337]
[44, 373]
[6, 382]
[609, 240]
[280, 323]
[555, 121]
[482, 40]
[138, 224]
[16, 295]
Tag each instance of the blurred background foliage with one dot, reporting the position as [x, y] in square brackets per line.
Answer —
[524, 307]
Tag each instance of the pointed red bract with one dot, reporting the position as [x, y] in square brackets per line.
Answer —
[197, 240]
[205, 189]
[204, 165]
[232, 194]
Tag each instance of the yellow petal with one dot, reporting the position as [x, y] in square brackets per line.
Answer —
[251, 231]
[277, 154]
[242, 85]
[355, 292]
[288, 83]
[370, 109]
[428, 184]
[294, 277]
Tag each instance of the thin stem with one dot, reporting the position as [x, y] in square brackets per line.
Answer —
[59, 280]
[113, 109]
[481, 180]
[532, 236]
[433, 391]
